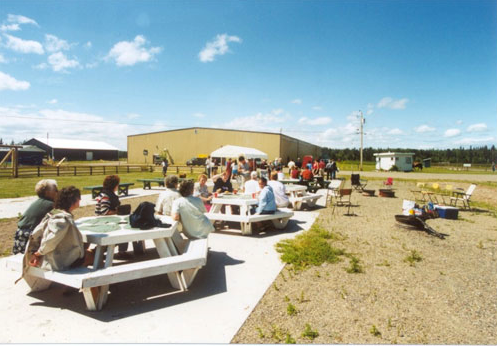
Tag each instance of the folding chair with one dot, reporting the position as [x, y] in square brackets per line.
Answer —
[388, 183]
[463, 197]
[357, 182]
[431, 195]
[343, 199]
[333, 190]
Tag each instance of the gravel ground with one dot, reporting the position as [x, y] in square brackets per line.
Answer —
[449, 297]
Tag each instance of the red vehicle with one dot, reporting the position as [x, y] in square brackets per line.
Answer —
[307, 159]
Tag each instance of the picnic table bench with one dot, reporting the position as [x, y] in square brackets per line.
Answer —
[91, 282]
[122, 189]
[298, 196]
[148, 181]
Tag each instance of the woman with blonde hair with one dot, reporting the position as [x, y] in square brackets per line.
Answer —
[201, 191]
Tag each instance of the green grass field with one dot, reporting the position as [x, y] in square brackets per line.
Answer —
[19, 187]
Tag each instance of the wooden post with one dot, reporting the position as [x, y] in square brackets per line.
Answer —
[38, 171]
[128, 168]
[104, 169]
[91, 170]
[15, 163]
[75, 171]
[117, 169]
[58, 171]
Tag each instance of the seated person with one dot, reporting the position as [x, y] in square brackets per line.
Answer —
[190, 211]
[222, 183]
[165, 200]
[252, 186]
[201, 191]
[57, 244]
[307, 175]
[46, 191]
[295, 173]
[107, 200]
[279, 191]
[267, 201]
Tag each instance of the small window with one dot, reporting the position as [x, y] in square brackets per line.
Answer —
[396, 158]
[408, 160]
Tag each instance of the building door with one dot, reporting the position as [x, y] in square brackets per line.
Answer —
[89, 155]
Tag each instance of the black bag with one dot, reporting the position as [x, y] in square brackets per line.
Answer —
[143, 216]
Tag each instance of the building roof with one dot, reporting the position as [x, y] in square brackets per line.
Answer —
[76, 144]
[389, 154]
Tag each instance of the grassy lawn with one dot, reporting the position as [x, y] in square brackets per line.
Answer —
[19, 187]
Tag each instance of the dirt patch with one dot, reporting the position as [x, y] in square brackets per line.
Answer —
[448, 296]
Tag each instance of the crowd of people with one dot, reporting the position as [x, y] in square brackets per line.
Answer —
[48, 236]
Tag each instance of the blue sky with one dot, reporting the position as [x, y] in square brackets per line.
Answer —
[423, 73]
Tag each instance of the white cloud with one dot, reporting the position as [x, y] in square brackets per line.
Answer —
[452, 132]
[317, 108]
[473, 140]
[54, 44]
[270, 122]
[128, 53]
[15, 21]
[199, 115]
[2, 59]
[296, 101]
[59, 62]
[23, 124]
[388, 102]
[88, 45]
[23, 46]
[369, 112]
[12, 18]
[10, 27]
[459, 122]
[395, 131]
[424, 129]
[353, 116]
[219, 46]
[477, 127]
[315, 121]
[53, 101]
[133, 115]
[8, 82]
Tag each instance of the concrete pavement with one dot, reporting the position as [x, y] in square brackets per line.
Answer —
[239, 270]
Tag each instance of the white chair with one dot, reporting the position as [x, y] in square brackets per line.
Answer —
[333, 190]
[463, 197]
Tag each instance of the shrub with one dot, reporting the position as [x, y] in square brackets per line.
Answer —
[309, 248]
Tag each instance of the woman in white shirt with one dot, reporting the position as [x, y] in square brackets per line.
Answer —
[279, 191]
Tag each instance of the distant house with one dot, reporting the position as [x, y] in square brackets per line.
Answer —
[385, 161]
[75, 149]
[27, 155]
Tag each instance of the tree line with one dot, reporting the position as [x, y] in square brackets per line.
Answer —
[473, 155]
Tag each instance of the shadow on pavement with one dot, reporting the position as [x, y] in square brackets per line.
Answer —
[149, 294]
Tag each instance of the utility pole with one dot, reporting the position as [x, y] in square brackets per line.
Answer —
[361, 132]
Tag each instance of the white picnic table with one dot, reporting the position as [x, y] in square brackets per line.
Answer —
[298, 195]
[245, 202]
[94, 231]
[108, 231]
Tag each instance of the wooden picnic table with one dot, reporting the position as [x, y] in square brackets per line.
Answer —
[245, 202]
[123, 188]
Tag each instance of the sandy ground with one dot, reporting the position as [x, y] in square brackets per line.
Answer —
[449, 297]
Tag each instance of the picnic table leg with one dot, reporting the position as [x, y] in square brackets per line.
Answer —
[163, 250]
[36, 284]
[280, 223]
[246, 228]
[311, 202]
[189, 275]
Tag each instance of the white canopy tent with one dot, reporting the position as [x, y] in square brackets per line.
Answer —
[230, 151]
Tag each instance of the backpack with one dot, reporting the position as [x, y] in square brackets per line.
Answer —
[143, 216]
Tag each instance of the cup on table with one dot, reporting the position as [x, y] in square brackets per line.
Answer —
[253, 195]
[235, 191]
[215, 194]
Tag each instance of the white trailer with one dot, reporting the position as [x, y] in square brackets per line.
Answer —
[385, 161]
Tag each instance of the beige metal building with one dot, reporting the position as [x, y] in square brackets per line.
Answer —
[184, 144]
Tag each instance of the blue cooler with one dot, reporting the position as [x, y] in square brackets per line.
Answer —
[447, 212]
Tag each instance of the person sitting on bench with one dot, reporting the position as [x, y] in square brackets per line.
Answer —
[279, 191]
[57, 243]
[222, 183]
[190, 211]
[46, 191]
[165, 200]
[267, 201]
[252, 186]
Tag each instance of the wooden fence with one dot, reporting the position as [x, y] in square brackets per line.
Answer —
[89, 170]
